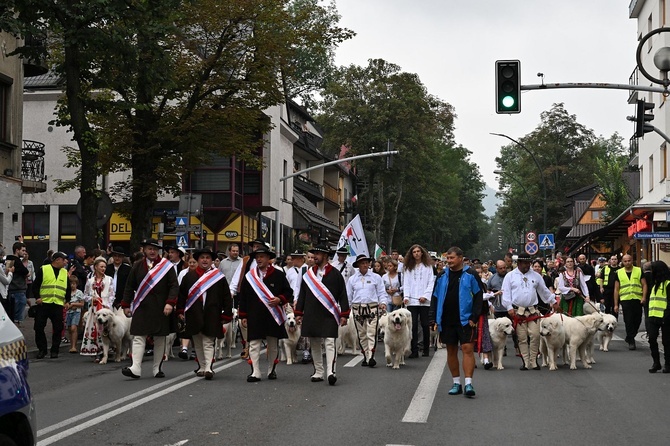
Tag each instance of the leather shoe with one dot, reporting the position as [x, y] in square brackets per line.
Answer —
[129, 373]
[537, 367]
[209, 375]
[632, 346]
[364, 363]
[655, 367]
[199, 373]
[252, 379]
[488, 366]
[413, 355]
[372, 362]
[666, 369]
[183, 354]
[425, 354]
[523, 367]
[41, 355]
[54, 355]
[160, 375]
[317, 379]
[332, 379]
[272, 375]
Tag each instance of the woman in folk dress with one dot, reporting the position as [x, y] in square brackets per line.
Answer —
[99, 292]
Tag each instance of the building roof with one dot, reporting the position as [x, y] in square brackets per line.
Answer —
[48, 80]
[311, 213]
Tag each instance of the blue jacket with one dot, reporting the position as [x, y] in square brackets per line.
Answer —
[469, 297]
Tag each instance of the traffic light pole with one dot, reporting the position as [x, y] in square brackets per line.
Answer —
[592, 85]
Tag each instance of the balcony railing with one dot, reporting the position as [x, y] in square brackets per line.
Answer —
[308, 187]
[32, 166]
[633, 151]
[331, 194]
[633, 80]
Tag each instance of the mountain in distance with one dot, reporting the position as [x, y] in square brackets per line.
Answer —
[490, 201]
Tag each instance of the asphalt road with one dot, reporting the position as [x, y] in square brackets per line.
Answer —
[616, 402]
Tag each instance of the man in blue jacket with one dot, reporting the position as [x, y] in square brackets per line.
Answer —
[455, 307]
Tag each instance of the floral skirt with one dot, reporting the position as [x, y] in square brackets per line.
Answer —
[483, 343]
[91, 344]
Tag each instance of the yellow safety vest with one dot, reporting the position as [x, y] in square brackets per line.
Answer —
[53, 288]
[605, 276]
[630, 289]
[658, 300]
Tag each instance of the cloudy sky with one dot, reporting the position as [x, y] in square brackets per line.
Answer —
[453, 45]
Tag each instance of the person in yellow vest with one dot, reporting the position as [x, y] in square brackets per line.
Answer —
[52, 291]
[630, 290]
[659, 316]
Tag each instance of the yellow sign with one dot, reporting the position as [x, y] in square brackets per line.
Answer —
[233, 231]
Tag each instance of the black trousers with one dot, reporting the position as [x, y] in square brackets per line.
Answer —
[54, 313]
[632, 317]
[654, 324]
[420, 312]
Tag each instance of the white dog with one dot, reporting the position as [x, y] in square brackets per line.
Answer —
[499, 329]
[552, 339]
[290, 344]
[604, 335]
[578, 331]
[347, 337]
[397, 336]
[228, 340]
[115, 331]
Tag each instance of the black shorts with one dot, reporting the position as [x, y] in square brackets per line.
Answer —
[455, 334]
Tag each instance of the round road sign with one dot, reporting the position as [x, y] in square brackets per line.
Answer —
[531, 248]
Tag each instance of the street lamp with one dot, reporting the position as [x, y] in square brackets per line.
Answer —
[523, 188]
[544, 182]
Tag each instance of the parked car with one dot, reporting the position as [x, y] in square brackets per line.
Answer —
[17, 409]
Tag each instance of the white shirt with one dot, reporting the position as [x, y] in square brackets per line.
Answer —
[234, 283]
[294, 277]
[344, 268]
[366, 289]
[522, 289]
[181, 275]
[418, 283]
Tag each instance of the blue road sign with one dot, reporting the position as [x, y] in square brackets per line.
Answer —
[181, 221]
[547, 241]
[182, 240]
[652, 235]
[531, 248]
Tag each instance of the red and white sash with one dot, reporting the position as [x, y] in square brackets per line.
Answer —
[323, 294]
[149, 282]
[204, 283]
[265, 295]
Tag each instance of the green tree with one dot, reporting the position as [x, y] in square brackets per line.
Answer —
[421, 199]
[609, 174]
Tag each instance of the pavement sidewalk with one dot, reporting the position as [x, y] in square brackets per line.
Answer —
[27, 328]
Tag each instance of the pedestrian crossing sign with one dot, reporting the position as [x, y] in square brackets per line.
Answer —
[180, 221]
[182, 241]
[547, 241]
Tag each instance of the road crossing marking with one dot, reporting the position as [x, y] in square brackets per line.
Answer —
[125, 408]
[422, 401]
[355, 361]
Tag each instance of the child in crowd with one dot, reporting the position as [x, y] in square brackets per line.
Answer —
[73, 314]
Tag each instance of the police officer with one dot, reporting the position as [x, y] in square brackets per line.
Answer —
[52, 291]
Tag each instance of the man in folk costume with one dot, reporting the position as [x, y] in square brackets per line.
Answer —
[150, 297]
[264, 291]
[204, 305]
[235, 285]
[367, 297]
[340, 263]
[322, 307]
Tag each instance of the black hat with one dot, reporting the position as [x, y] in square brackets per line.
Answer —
[263, 250]
[362, 257]
[58, 255]
[523, 257]
[321, 248]
[117, 250]
[206, 250]
[297, 253]
[151, 242]
[343, 250]
[256, 242]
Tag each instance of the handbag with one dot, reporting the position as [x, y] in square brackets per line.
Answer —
[568, 296]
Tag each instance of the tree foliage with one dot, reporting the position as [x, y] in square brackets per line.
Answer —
[569, 155]
[432, 194]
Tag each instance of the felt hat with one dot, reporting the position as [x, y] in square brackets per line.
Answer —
[263, 250]
[362, 258]
[321, 248]
[206, 250]
[151, 242]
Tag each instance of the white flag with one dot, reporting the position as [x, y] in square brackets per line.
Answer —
[354, 236]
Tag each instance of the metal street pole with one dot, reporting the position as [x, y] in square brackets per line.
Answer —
[544, 182]
[320, 166]
[517, 181]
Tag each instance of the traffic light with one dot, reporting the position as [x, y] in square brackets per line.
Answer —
[642, 117]
[508, 86]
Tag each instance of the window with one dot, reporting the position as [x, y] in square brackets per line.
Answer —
[210, 180]
[664, 162]
[596, 215]
[4, 111]
[68, 223]
[651, 173]
[36, 224]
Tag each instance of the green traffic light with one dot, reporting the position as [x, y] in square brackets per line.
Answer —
[508, 102]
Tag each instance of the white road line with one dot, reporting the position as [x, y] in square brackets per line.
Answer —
[108, 415]
[355, 361]
[422, 401]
